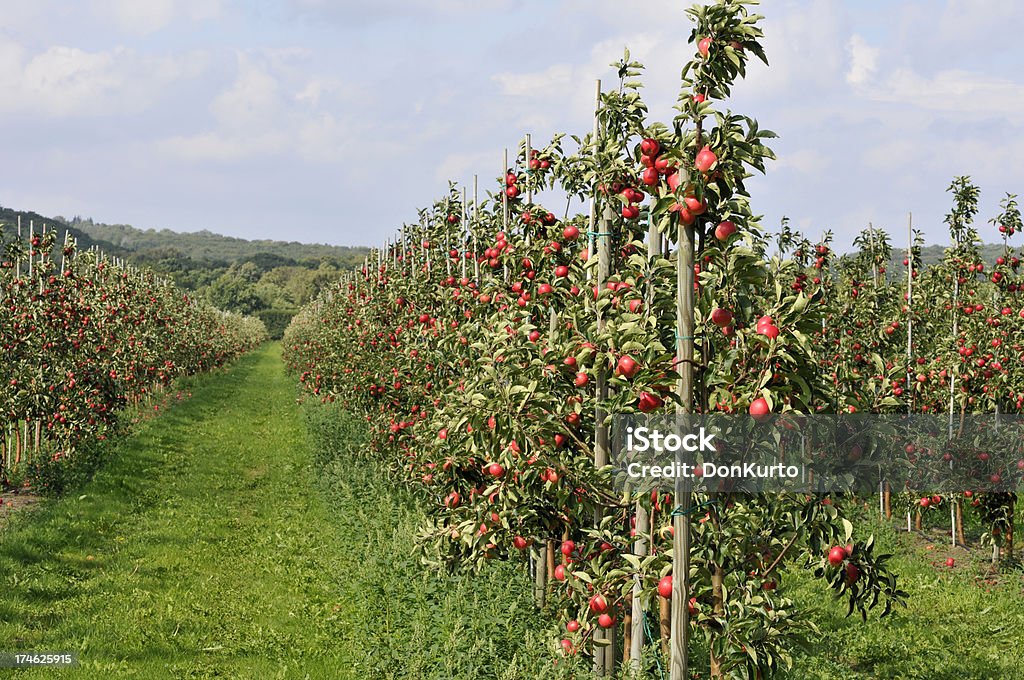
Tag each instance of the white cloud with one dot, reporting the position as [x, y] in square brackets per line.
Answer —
[215, 146]
[806, 161]
[952, 91]
[273, 110]
[68, 81]
[142, 17]
[961, 21]
[354, 12]
[251, 102]
[863, 61]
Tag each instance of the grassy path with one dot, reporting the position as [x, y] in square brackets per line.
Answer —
[200, 550]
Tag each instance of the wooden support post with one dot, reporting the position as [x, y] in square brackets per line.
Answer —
[680, 662]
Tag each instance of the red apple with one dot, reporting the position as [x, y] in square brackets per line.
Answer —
[650, 147]
[836, 555]
[724, 230]
[759, 407]
[721, 317]
[852, 573]
[705, 160]
[627, 367]
[649, 402]
[665, 586]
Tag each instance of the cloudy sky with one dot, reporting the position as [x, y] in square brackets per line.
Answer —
[333, 120]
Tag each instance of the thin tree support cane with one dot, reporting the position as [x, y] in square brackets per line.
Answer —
[604, 654]
[680, 627]
[504, 208]
[548, 545]
[473, 225]
[636, 646]
[542, 552]
[600, 431]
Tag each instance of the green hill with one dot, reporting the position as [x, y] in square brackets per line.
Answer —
[210, 247]
[269, 279]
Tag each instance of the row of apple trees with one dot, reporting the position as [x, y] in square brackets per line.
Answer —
[83, 337]
[482, 344]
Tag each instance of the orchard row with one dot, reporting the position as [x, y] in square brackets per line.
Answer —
[83, 338]
[489, 343]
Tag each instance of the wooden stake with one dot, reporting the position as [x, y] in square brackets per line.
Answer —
[473, 229]
[601, 434]
[680, 662]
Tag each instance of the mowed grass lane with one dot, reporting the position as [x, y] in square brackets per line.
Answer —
[201, 549]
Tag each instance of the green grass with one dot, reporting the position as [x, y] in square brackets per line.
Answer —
[197, 551]
[959, 623]
[208, 546]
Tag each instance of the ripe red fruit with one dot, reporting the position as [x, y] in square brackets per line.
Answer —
[704, 47]
[665, 586]
[519, 543]
[770, 331]
[544, 289]
[630, 212]
[724, 230]
[759, 407]
[674, 180]
[495, 470]
[950, 562]
[649, 177]
[560, 572]
[561, 271]
[705, 160]
[649, 402]
[925, 502]
[694, 206]
[627, 367]
[598, 604]
[650, 147]
[606, 620]
[836, 555]
[721, 317]
[582, 379]
[852, 573]
[572, 626]
[443, 433]
[568, 547]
